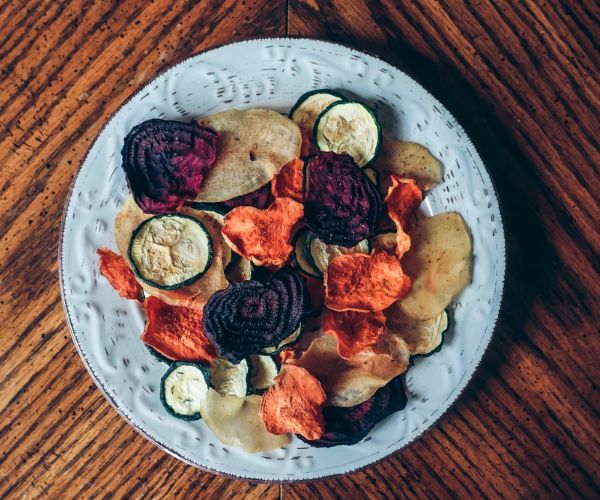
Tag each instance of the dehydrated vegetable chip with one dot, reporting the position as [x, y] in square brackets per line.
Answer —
[294, 404]
[402, 200]
[288, 182]
[118, 273]
[355, 331]
[263, 236]
[359, 282]
[176, 332]
[260, 198]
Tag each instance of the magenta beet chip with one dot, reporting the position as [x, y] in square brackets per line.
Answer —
[342, 206]
[261, 198]
[347, 426]
[165, 162]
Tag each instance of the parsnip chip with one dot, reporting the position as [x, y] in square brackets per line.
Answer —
[263, 236]
[176, 332]
[402, 200]
[359, 282]
[407, 159]
[252, 147]
[355, 331]
[348, 382]
[438, 263]
[288, 182]
[294, 404]
[236, 422]
[118, 273]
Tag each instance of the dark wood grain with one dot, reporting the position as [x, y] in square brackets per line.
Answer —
[521, 77]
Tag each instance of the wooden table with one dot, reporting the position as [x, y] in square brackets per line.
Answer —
[523, 79]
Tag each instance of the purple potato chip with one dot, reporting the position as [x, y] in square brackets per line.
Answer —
[342, 206]
[347, 426]
[165, 162]
[260, 198]
[249, 316]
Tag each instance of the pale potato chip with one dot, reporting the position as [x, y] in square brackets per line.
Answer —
[129, 217]
[253, 146]
[236, 422]
[438, 262]
[348, 382]
[407, 159]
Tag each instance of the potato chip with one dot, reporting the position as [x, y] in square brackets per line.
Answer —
[359, 282]
[118, 273]
[402, 200]
[355, 331]
[288, 182]
[253, 146]
[236, 422]
[438, 263]
[348, 382]
[294, 404]
[176, 332]
[128, 219]
[263, 236]
[407, 159]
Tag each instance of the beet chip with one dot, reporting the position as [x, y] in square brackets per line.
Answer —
[342, 205]
[347, 426]
[176, 332]
[118, 273]
[288, 182]
[359, 282]
[355, 331]
[166, 161]
[402, 200]
[261, 198]
[294, 404]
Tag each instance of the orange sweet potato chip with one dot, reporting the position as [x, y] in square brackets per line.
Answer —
[118, 273]
[263, 236]
[403, 198]
[355, 331]
[359, 282]
[176, 332]
[288, 182]
[294, 404]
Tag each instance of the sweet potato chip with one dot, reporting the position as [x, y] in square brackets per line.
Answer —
[402, 200]
[359, 282]
[288, 182]
[355, 331]
[176, 332]
[348, 382]
[294, 404]
[263, 236]
[118, 273]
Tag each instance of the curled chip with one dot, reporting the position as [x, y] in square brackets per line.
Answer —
[166, 161]
[342, 206]
[250, 316]
[118, 273]
[176, 332]
[347, 426]
[355, 331]
[348, 382]
[236, 422]
[294, 404]
[288, 182]
[359, 282]
[260, 198]
[263, 236]
[402, 200]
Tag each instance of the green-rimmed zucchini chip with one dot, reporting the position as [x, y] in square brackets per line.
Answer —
[319, 254]
[289, 340]
[310, 105]
[170, 251]
[349, 127]
[182, 389]
[299, 255]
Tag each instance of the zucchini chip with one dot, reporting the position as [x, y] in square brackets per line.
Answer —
[286, 342]
[300, 257]
[182, 389]
[170, 251]
[349, 127]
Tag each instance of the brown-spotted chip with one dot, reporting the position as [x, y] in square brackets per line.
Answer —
[355, 331]
[402, 200]
[288, 182]
[118, 273]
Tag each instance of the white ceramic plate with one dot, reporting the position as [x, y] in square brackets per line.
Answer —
[273, 73]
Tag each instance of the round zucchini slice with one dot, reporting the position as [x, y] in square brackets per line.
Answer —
[310, 105]
[182, 389]
[218, 208]
[300, 257]
[263, 372]
[319, 254]
[349, 127]
[229, 379]
[170, 251]
[289, 340]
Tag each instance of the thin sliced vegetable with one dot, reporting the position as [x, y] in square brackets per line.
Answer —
[300, 257]
[319, 254]
[355, 331]
[385, 241]
[288, 182]
[182, 389]
[422, 336]
[229, 379]
[402, 201]
[264, 371]
[118, 273]
[286, 342]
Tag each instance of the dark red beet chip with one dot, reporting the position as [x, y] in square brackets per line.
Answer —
[342, 206]
[165, 162]
[347, 426]
[261, 198]
[248, 316]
